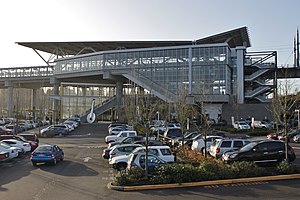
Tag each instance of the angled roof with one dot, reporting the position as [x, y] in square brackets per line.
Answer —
[236, 37]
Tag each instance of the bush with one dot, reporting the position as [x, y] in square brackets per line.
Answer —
[135, 176]
[198, 168]
[286, 168]
[246, 169]
[176, 173]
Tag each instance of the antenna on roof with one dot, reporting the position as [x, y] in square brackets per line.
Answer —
[296, 49]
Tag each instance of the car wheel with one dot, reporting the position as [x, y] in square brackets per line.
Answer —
[121, 166]
[54, 162]
[33, 163]
[62, 157]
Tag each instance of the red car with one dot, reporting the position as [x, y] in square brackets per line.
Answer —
[4, 131]
[273, 136]
[33, 144]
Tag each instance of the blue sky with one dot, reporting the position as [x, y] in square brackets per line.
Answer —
[271, 24]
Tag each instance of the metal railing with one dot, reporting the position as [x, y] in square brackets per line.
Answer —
[23, 72]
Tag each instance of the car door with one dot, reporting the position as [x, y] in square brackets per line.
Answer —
[259, 153]
[57, 152]
[276, 151]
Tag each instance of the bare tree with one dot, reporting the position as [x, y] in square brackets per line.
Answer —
[283, 108]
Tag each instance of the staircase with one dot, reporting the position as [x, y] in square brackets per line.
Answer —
[151, 86]
[101, 108]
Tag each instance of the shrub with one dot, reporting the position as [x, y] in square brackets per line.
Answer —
[246, 169]
[176, 173]
[286, 168]
[135, 176]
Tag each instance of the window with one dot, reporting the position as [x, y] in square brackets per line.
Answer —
[131, 134]
[165, 152]
[262, 147]
[275, 146]
[153, 151]
[238, 144]
[226, 144]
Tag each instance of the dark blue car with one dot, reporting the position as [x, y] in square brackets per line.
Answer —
[49, 153]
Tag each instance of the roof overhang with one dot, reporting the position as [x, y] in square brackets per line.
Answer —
[234, 38]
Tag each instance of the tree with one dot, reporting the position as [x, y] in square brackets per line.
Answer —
[283, 108]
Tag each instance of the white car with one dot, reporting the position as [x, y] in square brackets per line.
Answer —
[13, 151]
[120, 136]
[70, 127]
[199, 144]
[241, 125]
[72, 123]
[25, 146]
[123, 149]
[163, 152]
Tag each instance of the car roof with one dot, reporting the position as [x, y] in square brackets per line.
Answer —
[126, 145]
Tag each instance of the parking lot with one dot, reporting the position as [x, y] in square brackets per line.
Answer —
[84, 174]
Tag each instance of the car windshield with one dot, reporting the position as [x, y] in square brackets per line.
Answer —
[44, 148]
[4, 145]
[22, 138]
[247, 147]
[28, 137]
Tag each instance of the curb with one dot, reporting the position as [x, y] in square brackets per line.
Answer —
[203, 183]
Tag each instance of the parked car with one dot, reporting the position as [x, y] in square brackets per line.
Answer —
[25, 146]
[163, 152]
[126, 140]
[4, 131]
[117, 130]
[172, 133]
[120, 136]
[261, 152]
[13, 151]
[72, 123]
[114, 125]
[54, 130]
[199, 144]
[150, 142]
[139, 160]
[122, 149]
[188, 139]
[261, 124]
[4, 155]
[241, 125]
[30, 137]
[296, 138]
[290, 135]
[13, 128]
[48, 153]
[273, 136]
[220, 146]
[33, 144]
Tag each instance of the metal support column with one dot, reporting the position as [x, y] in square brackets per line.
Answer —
[240, 74]
[9, 86]
[34, 100]
[119, 95]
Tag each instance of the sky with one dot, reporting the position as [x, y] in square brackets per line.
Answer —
[271, 24]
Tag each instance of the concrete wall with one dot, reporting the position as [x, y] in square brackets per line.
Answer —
[258, 111]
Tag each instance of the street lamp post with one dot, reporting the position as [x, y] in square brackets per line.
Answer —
[298, 118]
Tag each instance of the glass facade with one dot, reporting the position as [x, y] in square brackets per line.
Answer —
[77, 99]
[164, 67]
